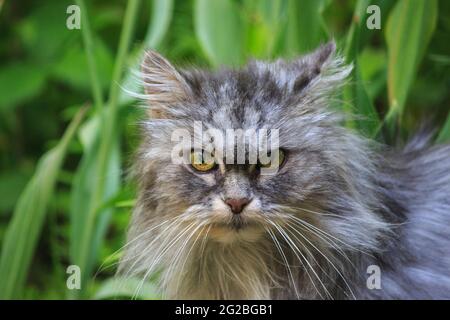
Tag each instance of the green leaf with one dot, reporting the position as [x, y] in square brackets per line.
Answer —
[264, 27]
[25, 226]
[126, 288]
[373, 71]
[124, 198]
[305, 28]
[358, 25]
[358, 34]
[355, 93]
[81, 213]
[409, 30]
[71, 67]
[89, 49]
[220, 31]
[43, 32]
[162, 11]
[20, 82]
[444, 135]
[369, 121]
[11, 185]
[98, 176]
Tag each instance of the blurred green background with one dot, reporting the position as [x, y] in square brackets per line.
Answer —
[68, 129]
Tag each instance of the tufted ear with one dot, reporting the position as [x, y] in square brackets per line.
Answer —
[312, 65]
[164, 86]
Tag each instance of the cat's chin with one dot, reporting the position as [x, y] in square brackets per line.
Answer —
[233, 233]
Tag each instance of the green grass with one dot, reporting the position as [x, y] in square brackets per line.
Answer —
[63, 169]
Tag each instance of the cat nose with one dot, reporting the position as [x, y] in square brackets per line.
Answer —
[237, 205]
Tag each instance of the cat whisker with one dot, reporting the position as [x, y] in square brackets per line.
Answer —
[202, 252]
[180, 274]
[178, 255]
[324, 255]
[142, 254]
[286, 263]
[331, 236]
[159, 257]
[303, 224]
[324, 238]
[295, 250]
[171, 228]
[330, 242]
[102, 267]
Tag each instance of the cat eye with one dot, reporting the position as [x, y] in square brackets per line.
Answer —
[199, 163]
[278, 162]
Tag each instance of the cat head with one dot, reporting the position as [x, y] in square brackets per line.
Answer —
[321, 170]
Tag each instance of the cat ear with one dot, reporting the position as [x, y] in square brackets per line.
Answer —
[164, 86]
[318, 57]
[322, 68]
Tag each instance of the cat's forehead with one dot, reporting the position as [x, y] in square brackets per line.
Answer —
[238, 99]
[290, 96]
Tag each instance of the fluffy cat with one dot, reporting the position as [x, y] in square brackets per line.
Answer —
[338, 207]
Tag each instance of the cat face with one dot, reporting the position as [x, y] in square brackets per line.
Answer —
[215, 201]
[233, 199]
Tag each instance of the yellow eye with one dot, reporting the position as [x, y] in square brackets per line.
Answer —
[275, 162]
[199, 163]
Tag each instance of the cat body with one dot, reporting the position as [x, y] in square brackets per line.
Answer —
[341, 218]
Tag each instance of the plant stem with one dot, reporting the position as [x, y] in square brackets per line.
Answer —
[89, 47]
[108, 130]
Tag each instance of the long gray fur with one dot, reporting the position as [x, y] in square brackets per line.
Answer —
[375, 205]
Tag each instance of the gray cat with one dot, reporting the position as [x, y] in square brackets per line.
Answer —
[342, 218]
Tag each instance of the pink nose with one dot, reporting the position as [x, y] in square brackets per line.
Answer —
[237, 205]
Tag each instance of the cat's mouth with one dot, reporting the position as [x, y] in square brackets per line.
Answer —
[235, 229]
[235, 223]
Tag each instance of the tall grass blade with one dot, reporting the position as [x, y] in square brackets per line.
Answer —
[444, 135]
[162, 11]
[89, 48]
[220, 30]
[305, 28]
[265, 26]
[409, 29]
[161, 17]
[86, 179]
[355, 93]
[29, 214]
[98, 177]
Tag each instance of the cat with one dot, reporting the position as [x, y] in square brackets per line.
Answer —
[343, 217]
